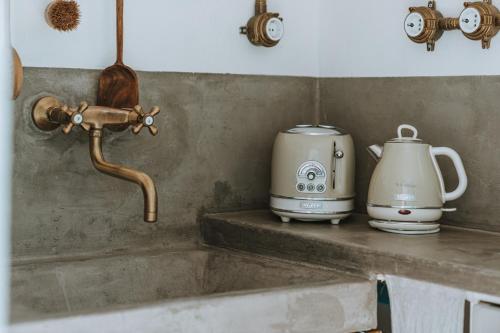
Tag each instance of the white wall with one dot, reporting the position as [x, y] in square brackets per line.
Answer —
[170, 35]
[6, 147]
[328, 38]
[366, 38]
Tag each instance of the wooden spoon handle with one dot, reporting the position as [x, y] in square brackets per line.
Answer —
[119, 31]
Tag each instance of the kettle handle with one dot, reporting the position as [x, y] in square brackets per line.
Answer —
[459, 166]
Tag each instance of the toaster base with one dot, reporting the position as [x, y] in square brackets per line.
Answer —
[308, 217]
[311, 210]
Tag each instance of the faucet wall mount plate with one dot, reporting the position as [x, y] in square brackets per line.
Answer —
[40, 115]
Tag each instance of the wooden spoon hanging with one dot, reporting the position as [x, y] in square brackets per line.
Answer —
[118, 84]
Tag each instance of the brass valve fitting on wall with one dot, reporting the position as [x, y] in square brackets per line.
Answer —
[264, 29]
[426, 25]
[480, 21]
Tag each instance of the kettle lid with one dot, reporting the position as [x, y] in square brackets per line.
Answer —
[406, 139]
[316, 130]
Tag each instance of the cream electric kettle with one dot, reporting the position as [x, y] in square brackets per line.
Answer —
[407, 192]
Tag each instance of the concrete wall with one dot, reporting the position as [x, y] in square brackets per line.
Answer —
[212, 153]
[456, 112]
[214, 147]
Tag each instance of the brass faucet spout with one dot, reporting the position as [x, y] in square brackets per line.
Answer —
[119, 171]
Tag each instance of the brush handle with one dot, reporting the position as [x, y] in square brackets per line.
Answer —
[119, 32]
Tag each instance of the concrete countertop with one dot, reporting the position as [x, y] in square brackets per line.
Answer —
[456, 257]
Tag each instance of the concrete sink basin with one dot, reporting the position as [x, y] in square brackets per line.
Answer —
[200, 290]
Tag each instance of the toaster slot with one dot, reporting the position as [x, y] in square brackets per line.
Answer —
[334, 164]
[337, 155]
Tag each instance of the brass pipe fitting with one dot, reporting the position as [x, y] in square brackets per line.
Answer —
[143, 180]
[449, 23]
[263, 29]
[425, 25]
[260, 7]
[480, 21]
[49, 114]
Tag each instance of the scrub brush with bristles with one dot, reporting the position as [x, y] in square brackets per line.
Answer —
[63, 15]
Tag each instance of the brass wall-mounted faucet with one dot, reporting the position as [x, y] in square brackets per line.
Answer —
[49, 114]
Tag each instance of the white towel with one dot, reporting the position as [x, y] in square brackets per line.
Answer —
[422, 307]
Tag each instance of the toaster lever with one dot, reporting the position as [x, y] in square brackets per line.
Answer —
[334, 164]
[337, 155]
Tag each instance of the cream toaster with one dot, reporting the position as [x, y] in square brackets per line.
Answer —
[312, 176]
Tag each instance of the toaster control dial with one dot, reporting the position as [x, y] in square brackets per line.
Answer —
[301, 187]
[311, 177]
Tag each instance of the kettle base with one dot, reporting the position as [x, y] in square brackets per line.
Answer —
[404, 214]
[405, 228]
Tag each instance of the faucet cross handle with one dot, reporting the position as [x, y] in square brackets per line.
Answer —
[145, 120]
[76, 115]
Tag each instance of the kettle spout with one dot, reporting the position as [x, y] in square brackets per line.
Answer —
[375, 151]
